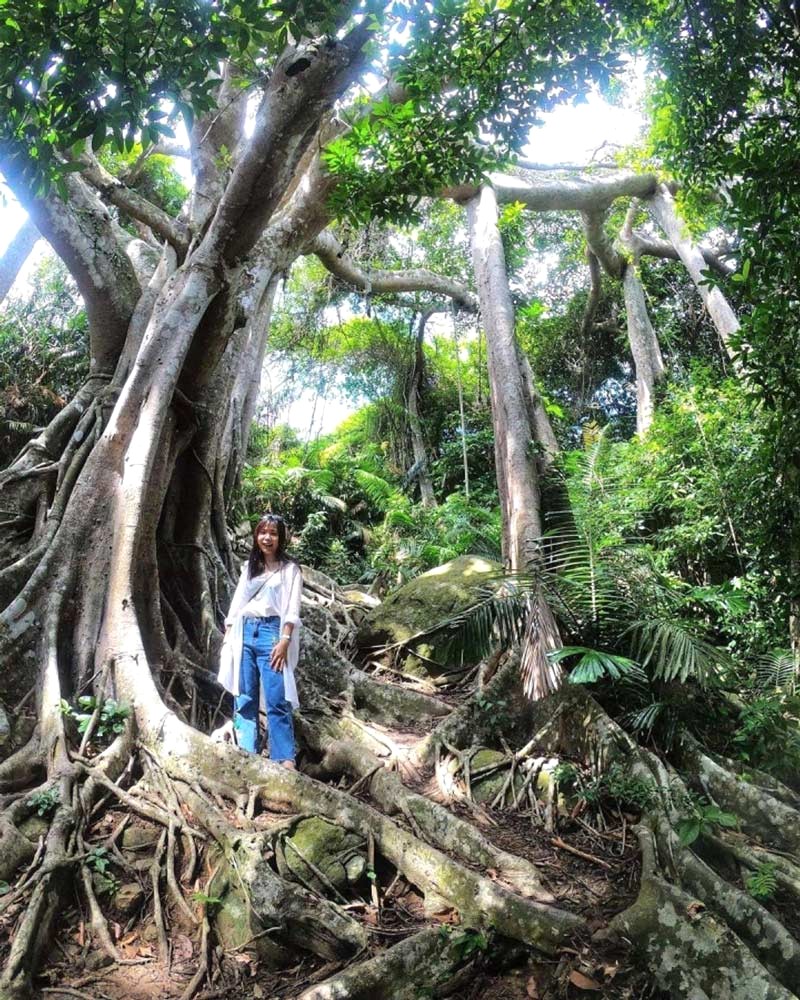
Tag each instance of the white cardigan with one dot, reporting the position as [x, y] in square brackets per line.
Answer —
[289, 590]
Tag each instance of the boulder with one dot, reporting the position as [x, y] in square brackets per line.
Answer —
[424, 603]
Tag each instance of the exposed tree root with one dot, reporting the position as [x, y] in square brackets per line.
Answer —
[437, 825]
[398, 973]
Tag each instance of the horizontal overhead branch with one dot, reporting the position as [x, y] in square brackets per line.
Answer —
[574, 168]
[649, 246]
[415, 279]
[134, 205]
[548, 194]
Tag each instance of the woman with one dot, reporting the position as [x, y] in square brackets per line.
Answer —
[262, 629]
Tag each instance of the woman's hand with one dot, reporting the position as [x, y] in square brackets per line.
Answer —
[279, 653]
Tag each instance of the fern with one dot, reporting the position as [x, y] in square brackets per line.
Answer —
[763, 883]
[378, 490]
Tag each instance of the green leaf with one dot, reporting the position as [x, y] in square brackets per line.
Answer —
[689, 830]
[99, 135]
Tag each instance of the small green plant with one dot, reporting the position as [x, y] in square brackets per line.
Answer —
[763, 882]
[703, 819]
[468, 942]
[565, 774]
[4, 887]
[492, 709]
[98, 861]
[208, 902]
[628, 790]
[45, 802]
[111, 719]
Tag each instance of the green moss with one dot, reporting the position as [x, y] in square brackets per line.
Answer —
[334, 851]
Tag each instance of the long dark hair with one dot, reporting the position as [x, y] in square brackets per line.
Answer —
[255, 563]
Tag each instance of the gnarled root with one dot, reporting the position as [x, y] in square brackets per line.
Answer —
[398, 973]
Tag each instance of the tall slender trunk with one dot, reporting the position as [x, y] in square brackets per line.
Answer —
[514, 435]
[415, 424]
[17, 252]
[647, 359]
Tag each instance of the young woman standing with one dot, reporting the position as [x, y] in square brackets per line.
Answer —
[262, 631]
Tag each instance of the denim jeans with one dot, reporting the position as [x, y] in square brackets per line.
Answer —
[260, 636]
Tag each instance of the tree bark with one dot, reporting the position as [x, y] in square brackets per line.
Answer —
[419, 449]
[647, 359]
[662, 207]
[17, 252]
[514, 436]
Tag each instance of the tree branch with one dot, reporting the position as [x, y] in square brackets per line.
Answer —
[599, 243]
[417, 279]
[662, 207]
[135, 205]
[306, 82]
[592, 302]
[17, 252]
[587, 194]
[92, 246]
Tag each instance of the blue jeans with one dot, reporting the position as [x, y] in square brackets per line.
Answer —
[260, 636]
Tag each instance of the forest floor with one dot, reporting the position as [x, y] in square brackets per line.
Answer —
[589, 871]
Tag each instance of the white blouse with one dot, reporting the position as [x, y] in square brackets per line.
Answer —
[252, 599]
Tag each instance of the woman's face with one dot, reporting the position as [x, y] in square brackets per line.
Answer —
[267, 539]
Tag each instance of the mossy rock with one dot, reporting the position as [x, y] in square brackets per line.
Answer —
[334, 851]
[485, 788]
[34, 827]
[236, 925]
[424, 603]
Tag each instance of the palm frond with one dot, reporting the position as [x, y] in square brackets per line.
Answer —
[497, 617]
[661, 716]
[777, 670]
[593, 664]
[541, 675]
[675, 652]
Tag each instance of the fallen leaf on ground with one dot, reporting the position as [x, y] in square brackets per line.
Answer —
[532, 989]
[182, 948]
[583, 982]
